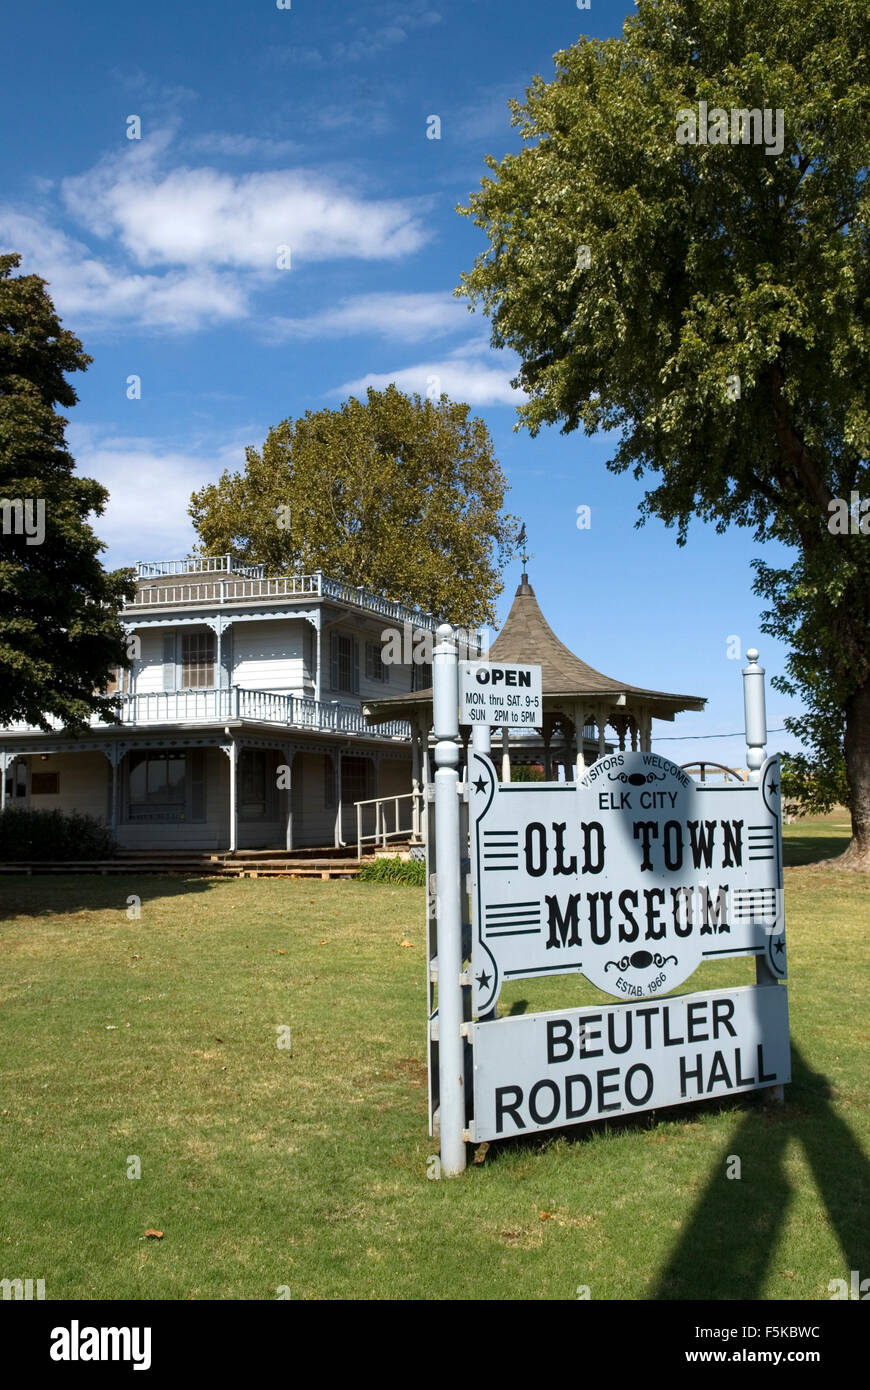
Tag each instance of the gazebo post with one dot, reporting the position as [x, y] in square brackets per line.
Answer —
[578, 738]
[505, 755]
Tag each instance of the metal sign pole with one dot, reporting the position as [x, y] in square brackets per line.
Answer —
[449, 903]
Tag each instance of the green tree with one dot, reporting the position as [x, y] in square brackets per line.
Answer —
[709, 301]
[400, 494]
[59, 629]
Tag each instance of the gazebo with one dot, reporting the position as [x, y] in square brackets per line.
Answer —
[580, 704]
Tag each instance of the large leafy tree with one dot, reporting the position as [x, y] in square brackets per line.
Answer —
[59, 628]
[400, 494]
[709, 301]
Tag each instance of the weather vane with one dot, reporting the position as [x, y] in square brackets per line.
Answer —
[523, 544]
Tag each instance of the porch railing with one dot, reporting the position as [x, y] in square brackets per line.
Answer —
[385, 811]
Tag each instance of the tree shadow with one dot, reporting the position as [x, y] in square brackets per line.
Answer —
[734, 1228]
[800, 850]
[38, 895]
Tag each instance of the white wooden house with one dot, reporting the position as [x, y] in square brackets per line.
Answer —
[240, 721]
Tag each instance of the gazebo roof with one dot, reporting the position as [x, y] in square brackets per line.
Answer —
[527, 638]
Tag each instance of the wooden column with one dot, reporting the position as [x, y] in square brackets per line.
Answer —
[336, 763]
[416, 760]
[288, 792]
[233, 755]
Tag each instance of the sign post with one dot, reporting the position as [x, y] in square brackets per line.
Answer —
[448, 857]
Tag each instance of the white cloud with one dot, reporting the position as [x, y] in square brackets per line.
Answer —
[408, 317]
[203, 217]
[461, 377]
[96, 293]
[189, 247]
[149, 492]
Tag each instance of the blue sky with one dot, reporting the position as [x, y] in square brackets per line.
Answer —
[307, 127]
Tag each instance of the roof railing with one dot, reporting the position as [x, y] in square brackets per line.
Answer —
[198, 564]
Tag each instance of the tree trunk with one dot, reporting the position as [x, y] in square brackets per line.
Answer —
[857, 750]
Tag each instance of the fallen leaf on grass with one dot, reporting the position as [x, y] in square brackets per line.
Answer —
[481, 1151]
[406, 943]
[282, 953]
[158, 1235]
[548, 1216]
[323, 942]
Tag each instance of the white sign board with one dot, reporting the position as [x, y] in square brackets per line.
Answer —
[493, 693]
[631, 877]
[543, 1071]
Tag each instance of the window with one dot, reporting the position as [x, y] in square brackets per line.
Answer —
[376, 670]
[253, 784]
[156, 786]
[421, 676]
[357, 780]
[44, 783]
[115, 681]
[197, 660]
[344, 663]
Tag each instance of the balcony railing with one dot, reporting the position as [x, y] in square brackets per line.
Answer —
[262, 706]
[254, 586]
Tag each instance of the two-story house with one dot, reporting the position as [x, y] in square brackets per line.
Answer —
[240, 721]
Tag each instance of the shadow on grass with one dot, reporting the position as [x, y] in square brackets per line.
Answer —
[726, 1246]
[41, 895]
[800, 850]
[725, 1250]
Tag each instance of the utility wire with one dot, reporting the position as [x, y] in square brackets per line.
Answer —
[686, 738]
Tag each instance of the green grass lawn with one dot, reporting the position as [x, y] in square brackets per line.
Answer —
[157, 1038]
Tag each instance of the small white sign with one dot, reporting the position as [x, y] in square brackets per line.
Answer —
[493, 693]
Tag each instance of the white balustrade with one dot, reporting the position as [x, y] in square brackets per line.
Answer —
[212, 706]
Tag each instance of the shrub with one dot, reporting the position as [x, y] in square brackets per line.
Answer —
[411, 871]
[44, 835]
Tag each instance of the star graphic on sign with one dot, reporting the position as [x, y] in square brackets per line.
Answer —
[779, 946]
[773, 788]
[483, 980]
[480, 785]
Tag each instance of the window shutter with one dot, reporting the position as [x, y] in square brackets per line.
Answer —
[333, 661]
[169, 646]
[355, 649]
[197, 784]
[225, 674]
[370, 661]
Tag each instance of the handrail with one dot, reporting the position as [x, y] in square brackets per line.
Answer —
[381, 834]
